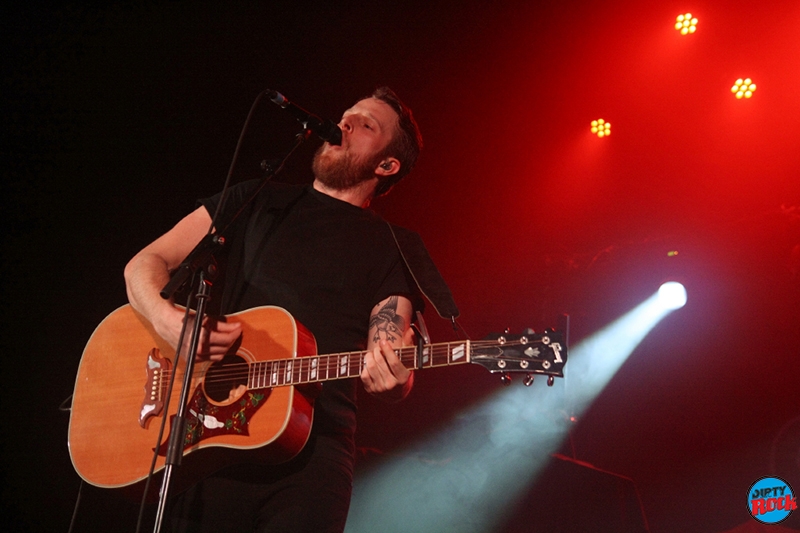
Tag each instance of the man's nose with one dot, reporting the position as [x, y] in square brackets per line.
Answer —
[346, 125]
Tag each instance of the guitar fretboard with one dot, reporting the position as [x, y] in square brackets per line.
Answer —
[317, 368]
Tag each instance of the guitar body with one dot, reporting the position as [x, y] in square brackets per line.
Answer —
[115, 418]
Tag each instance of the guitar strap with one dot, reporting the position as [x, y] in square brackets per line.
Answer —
[422, 268]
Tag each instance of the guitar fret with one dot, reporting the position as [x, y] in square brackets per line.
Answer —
[440, 356]
[263, 372]
[333, 367]
[313, 369]
[408, 356]
[253, 376]
[287, 374]
[360, 362]
[457, 353]
[321, 373]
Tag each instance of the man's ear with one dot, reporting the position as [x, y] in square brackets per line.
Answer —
[387, 167]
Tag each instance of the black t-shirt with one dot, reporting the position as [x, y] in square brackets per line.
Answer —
[325, 261]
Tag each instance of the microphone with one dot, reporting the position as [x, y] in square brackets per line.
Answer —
[324, 129]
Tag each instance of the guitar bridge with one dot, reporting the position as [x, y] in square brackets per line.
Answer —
[155, 386]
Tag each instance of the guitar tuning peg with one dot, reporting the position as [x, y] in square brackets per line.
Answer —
[529, 331]
[506, 378]
[528, 381]
[550, 381]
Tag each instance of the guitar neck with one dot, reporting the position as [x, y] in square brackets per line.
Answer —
[318, 368]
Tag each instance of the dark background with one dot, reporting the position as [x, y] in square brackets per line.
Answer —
[116, 118]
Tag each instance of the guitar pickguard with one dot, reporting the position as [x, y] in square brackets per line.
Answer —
[205, 420]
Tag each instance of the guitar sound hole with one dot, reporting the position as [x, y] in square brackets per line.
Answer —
[224, 378]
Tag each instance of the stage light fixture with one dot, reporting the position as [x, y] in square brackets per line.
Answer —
[601, 128]
[686, 24]
[743, 88]
[672, 295]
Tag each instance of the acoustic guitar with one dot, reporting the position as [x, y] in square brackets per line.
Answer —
[250, 406]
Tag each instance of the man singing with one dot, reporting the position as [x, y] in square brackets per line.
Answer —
[318, 252]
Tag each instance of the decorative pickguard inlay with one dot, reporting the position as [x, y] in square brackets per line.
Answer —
[205, 419]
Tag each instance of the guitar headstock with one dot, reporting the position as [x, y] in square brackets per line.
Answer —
[527, 353]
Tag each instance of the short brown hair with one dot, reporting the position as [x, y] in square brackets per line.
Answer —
[406, 143]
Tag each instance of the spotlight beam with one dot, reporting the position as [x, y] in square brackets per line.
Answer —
[469, 475]
[596, 359]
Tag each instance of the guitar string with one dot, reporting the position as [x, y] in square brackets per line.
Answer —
[303, 365]
[234, 369]
[327, 364]
[326, 360]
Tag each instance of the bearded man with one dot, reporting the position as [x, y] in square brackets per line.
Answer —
[319, 253]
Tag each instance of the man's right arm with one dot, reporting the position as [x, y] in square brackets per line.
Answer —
[148, 272]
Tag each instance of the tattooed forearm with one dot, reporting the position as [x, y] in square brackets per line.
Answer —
[386, 324]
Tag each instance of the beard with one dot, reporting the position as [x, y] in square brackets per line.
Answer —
[342, 172]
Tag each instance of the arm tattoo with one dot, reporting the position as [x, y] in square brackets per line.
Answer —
[387, 323]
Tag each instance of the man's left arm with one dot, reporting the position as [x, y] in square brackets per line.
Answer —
[384, 375]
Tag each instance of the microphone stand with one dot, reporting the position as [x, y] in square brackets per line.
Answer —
[176, 437]
[200, 261]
